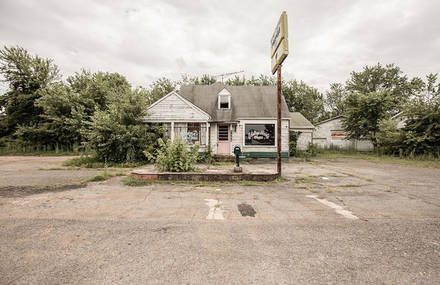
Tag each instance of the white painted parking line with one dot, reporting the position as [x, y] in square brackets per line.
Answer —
[215, 210]
[347, 214]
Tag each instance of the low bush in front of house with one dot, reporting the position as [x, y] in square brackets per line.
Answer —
[176, 156]
[293, 140]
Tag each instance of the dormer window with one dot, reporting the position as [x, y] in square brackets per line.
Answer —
[224, 99]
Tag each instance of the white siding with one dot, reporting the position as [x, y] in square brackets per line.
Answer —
[323, 139]
[238, 137]
[304, 138]
[213, 133]
[174, 108]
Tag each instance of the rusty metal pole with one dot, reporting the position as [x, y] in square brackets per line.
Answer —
[279, 120]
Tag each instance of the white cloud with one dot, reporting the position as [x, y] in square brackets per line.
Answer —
[145, 40]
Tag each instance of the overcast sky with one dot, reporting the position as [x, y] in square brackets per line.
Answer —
[145, 40]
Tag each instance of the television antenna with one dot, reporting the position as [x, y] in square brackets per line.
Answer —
[227, 74]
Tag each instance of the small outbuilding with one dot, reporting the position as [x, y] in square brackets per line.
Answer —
[223, 116]
[331, 134]
[302, 126]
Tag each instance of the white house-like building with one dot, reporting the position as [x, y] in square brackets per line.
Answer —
[224, 116]
[331, 134]
[299, 124]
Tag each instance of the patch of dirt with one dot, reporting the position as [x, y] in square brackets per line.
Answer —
[246, 210]
[22, 191]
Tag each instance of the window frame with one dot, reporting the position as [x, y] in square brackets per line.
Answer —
[219, 102]
[269, 122]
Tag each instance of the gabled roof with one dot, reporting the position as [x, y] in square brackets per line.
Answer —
[331, 119]
[246, 101]
[298, 121]
[183, 101]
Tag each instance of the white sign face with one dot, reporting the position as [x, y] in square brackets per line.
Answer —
[279, 43]
[279, 34]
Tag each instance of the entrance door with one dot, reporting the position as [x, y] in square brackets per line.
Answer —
[224, 140]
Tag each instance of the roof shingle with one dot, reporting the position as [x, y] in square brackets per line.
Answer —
[246, 101]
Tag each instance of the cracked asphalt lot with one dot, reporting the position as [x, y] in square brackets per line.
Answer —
[106, 232]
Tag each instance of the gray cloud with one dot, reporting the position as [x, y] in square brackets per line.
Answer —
[145, 40]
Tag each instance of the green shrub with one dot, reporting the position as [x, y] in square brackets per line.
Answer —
[131, 181]
[119, 134]
[207, 156]
[293, 139]
[389, 137]
[176, 156]
[312, 151]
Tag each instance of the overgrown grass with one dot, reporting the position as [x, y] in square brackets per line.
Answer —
[5, 152]
[92, 162]
[131, 181]
[104, 176]
[423, 161]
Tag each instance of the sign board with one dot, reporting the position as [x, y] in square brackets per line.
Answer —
[279, 43]
[280, 55]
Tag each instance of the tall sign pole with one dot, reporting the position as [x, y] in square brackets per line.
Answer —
[279, 51]
[279, 120]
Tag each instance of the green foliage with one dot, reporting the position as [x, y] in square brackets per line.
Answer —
[312, 151]
[364, 112]
[131, 181]
[335, 100]
[158, 89]
[118, 133]
[205, 79]
[236, 81]
[420, 134]
[305, 99]
[389, 137]
[262, 80]
[422, 125]
[293, 139]
[104, 176]
[176, 156]
[26, 76]
[378, 157]
[207, 156]
[378, 79]
[94, 162]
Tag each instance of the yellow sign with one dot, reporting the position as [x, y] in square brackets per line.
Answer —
[280, 55]
[279, 43]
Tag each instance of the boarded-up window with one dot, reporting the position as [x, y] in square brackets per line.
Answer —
[338, 135]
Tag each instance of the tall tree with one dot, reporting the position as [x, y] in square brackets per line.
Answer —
[364, 112]
[236, 81]
[378, 78]
[26, 75]
[422, 120]
[205, 79]
[334, 99]
[305, 99]
[376, 93]
[67, 108]
[159, 88]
